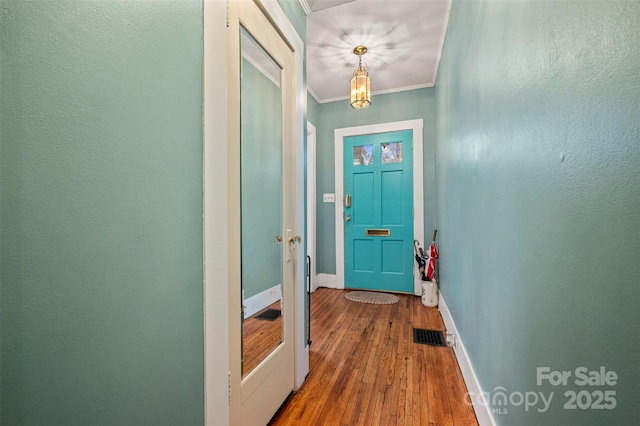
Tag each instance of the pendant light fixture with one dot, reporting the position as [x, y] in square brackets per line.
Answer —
[360, 82]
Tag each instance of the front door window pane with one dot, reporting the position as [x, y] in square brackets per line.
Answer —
[363, 155]
[391, 152]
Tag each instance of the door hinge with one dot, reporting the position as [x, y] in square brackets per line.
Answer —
[413, 212]
[229, 390]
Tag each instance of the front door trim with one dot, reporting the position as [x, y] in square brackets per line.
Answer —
[418, 185]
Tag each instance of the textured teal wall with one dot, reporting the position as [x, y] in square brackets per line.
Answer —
[101, 211]
[296, 16]
[538, 195]
[261, 118]
[313, 110]
[391, 107]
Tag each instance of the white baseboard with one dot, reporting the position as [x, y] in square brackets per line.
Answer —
[326, 280]
[482, 409]
[260, 301]
[315, 283]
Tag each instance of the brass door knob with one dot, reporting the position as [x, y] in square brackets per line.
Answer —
[295, 240]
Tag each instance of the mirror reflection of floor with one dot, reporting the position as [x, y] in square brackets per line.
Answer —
[259, 338]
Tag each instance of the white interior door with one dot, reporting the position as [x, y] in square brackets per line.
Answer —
[263, 242]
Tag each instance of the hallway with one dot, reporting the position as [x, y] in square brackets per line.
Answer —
[366, 370]
[119, 292]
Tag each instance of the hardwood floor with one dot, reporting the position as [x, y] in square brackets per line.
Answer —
[365, 368]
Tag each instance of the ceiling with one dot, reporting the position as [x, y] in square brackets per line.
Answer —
[404, 38]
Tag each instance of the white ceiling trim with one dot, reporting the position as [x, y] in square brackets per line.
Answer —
[442, 37]
[257, 65]
[256, 57]
[305, 6]
[403, 89]
[313, 94]
[379, 92]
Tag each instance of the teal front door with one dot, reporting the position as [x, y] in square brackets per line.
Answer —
[378, 211]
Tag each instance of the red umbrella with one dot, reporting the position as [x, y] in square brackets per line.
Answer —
[432, 254]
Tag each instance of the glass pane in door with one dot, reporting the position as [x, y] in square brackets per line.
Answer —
[261, 202]
[363, 155]
[391, 152]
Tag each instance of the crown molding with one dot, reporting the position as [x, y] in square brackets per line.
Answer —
[378, 92]
[442, 37]
[305, 6]
[313, 94]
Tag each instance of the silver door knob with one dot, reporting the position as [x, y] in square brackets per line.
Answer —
[347, 218]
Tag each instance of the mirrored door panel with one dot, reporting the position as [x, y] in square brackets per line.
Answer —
[261, 202]
[261, 214]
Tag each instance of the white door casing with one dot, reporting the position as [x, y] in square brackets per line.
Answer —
[311, 200]
[216, 325]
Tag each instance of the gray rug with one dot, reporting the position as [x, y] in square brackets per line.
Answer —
[373, 297]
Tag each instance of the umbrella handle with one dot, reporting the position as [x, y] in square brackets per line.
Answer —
[435, 232]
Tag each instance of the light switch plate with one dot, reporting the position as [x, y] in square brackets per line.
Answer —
[328, 198]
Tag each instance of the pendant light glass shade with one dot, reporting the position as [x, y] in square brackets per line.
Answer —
[360, 83]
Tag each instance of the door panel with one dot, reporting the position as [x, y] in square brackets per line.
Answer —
[391, 256]
[392, 205]
[363, 252]
[379, 222]
[363, 188]
[261, 216]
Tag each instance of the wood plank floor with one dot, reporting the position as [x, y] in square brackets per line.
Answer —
[365, 368]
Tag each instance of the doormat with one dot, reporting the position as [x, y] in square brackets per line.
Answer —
[373, 297]
[269, 315]
[428, 337]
